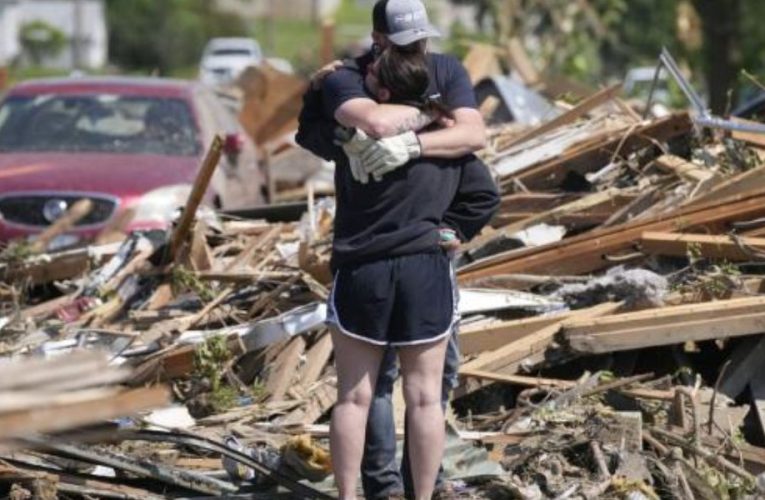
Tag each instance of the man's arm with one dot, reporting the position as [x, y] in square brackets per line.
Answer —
[381, 120]
[468, 134]
[475, 202]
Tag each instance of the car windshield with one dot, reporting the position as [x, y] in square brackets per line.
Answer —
[232, 52]
[103, 123]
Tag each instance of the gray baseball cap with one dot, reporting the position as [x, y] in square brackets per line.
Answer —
[406, 21]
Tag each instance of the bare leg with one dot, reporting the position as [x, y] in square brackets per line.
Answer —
[357, 364]
[422, 368]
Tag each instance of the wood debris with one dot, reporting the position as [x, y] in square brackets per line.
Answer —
[638, 374]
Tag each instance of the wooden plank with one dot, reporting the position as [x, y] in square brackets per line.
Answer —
[520, 61]
[584, 253]
[591, 157]
[660, 315]
[481, 62]
[591, 201]
[672, 330]
[683, 169]
[322, 398]
[477, 339]
[317, 358]
[509, 357]
[210, 162]
[518, 379]
[750, 181]
[69, 416]
[284, 369]
[709, 246]
[597, 99]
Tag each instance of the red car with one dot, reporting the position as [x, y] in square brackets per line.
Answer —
[124, 143]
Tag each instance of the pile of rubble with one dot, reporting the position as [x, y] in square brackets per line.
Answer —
[613, 321]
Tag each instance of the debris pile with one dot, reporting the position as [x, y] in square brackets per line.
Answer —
[612, 335]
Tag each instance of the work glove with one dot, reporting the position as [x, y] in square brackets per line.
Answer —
[387, 154]
[353, 148]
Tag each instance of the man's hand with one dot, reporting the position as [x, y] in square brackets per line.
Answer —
[448, 240]
[353, 148]
[387, 154]
[318, 76]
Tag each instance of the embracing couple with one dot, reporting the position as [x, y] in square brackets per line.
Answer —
[401, 125]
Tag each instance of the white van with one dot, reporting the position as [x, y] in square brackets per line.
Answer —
[225, 58]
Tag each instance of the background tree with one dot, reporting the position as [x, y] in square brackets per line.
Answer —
[597, 40]
[165, 35]
[40, 40]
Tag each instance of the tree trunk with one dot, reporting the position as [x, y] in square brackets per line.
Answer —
[721, 25]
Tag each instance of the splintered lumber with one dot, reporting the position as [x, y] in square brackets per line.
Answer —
[709, 246]
[481, 62]
[667, 325]
[683, 169]
[750, 181]
[272, 102]
[480, 338]
[197, 194]
[601, 199]
[531, 346]
[593, 156]
[581, 109]
[284, 368]
[585, 253]
[316, 359]
[522, 380]
[520, 61]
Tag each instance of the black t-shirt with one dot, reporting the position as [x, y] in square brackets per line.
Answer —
[401, 214]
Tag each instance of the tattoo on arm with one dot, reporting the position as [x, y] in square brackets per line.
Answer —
[415, 123]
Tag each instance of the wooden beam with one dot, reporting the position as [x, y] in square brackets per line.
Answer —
[317, 358]
[585, 253]
[709, 246]
[750, 181]
[210, 162]
[532, 346]
[597, 99]
[591, 157]
[481, 62]
[683, 169]
[284, 369]
[478, 339]
[667, 325]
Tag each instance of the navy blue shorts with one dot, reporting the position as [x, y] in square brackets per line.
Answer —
[398, 301]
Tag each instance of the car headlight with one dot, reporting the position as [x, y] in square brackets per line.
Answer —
[162, 204]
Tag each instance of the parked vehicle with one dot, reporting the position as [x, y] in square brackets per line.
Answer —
[224, 59]
[124, 143]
